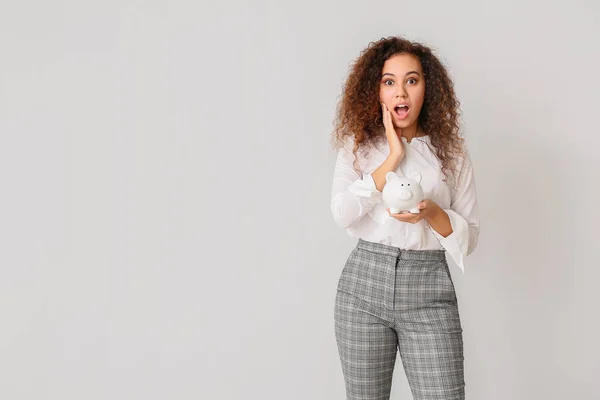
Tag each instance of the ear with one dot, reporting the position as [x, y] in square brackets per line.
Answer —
[416, 176]
[390, 176]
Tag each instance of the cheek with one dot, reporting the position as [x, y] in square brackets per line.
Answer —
[385, 93]
[417, 102]
[419, 96]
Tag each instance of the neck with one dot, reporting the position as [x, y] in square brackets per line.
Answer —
[409, 132]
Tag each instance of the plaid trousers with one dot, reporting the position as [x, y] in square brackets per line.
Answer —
[391, 300]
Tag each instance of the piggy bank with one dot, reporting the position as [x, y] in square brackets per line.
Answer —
[402, 193]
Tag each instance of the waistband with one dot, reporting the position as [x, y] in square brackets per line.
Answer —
[420, 255]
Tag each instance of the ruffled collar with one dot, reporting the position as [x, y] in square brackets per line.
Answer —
[384, 148]
[423, 139]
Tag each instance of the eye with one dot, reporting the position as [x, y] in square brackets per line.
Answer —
[402, 184]
[409, 184]
[386, 81]
[412, 79]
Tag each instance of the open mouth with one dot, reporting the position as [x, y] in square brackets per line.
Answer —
[401, 111]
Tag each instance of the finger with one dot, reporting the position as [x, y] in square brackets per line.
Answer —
[417, 217]
[405, 218]
[408, 221]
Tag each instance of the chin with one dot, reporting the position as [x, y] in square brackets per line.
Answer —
[403, 124]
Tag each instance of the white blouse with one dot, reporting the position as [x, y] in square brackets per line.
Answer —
[358, 206]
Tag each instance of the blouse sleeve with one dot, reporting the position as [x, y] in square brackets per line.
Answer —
[464, 215]
[354, 193]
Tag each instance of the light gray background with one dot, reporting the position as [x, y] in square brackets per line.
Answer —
[166, 177]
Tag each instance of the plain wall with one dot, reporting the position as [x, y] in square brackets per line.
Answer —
[166, 176]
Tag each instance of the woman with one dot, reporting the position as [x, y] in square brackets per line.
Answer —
[399, 113]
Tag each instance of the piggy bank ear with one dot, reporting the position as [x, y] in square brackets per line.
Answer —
[416, 176]
[390, 176]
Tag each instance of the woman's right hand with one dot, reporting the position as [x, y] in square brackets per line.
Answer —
[397, 151]
[396, 146]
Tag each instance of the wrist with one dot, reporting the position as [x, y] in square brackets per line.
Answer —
[436, 213]
[395, 159]
[439, 220]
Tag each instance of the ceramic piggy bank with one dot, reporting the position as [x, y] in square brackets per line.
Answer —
[402, 193]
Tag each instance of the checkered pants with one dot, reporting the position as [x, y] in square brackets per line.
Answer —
[389, 299]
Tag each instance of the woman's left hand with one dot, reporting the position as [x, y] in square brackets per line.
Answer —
[428, 209]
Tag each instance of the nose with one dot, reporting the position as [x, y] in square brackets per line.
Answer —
[401, 91]
[405, 195]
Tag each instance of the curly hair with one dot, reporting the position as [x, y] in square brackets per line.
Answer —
[359, 111]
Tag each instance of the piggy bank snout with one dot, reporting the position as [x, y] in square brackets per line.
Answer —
[405, 195]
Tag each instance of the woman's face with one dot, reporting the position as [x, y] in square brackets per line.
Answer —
[402, 82]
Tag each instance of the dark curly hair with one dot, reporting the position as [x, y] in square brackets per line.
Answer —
[359, 111]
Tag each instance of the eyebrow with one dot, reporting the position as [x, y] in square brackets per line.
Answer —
[408, 73]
